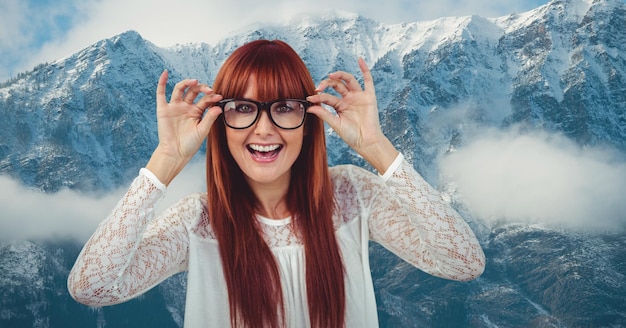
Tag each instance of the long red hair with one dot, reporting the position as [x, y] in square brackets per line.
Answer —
[252, 277]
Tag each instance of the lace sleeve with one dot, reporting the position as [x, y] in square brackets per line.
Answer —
[131, 251]
[409, 217]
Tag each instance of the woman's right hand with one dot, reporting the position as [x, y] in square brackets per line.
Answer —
[182, 125]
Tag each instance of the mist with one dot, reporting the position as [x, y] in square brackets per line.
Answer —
[509, 176]
[538, 177]
[31, 215]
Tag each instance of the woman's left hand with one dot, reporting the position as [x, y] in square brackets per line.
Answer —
[357, 120]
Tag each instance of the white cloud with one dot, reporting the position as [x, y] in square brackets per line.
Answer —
[484, 8]
[26, 25]
[539, 177]
[29, 214]
[13, 18]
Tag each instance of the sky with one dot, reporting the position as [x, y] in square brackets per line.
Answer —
[39, 31]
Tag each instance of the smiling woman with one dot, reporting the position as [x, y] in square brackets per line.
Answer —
[279, 239]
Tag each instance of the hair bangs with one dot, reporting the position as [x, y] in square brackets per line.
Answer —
[278, 71]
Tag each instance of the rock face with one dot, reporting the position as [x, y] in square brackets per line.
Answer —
[87, 123]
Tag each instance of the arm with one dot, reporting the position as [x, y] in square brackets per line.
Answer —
[131, 251]
[409, 217]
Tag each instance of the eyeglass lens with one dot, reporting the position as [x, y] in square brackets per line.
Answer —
[286, 114]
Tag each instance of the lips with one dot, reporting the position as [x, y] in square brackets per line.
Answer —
[264, 152]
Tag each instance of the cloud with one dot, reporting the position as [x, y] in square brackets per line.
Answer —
[28, 214]
[27, 25]
[12, 16]
[539, 177]
[484, 8]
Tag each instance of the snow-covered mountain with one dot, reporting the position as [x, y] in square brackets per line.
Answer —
[86, 122]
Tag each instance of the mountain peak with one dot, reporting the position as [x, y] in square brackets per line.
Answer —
[328, 15]
[572, 10]
[130, 35]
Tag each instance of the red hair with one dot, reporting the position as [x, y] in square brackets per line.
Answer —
[250, 269]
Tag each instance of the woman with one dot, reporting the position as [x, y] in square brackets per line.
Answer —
[279, 239]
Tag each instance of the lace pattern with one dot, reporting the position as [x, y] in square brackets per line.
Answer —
[415, 223]
[132, 250]
[129, 254]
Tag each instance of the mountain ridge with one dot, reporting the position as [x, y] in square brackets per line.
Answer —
[489, 74]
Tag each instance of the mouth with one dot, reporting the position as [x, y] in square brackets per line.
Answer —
[264, 152]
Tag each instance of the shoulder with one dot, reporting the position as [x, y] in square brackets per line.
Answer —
[201, 225]
[349, 173]
[352, 179]
[196, 201]
[352, 185]
[190, 208]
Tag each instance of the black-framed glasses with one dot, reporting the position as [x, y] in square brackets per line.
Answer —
[286, 114]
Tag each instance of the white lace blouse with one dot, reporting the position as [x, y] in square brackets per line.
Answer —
[133, 250]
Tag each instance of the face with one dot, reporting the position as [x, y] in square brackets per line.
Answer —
[264, 152]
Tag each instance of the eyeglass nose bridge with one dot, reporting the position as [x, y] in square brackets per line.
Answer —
[266, 107]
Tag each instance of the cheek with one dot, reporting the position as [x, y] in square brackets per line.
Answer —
[234, 141]
[297, 141]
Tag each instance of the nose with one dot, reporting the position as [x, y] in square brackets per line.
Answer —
[264, 125]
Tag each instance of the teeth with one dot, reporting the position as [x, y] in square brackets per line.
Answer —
[264, 149]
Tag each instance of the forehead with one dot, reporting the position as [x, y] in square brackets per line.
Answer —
[268, 87]
[251, 89]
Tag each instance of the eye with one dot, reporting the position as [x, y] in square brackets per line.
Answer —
[245, 108]
[283, 107]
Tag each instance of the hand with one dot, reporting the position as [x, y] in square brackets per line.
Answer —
[181, 125]
[356, 121]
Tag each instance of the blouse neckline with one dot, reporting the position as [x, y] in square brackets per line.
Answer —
[273, 222]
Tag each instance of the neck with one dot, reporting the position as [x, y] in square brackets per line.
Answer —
[272, 199]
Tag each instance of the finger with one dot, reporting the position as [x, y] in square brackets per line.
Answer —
[322, 86]
[325, 115]
[368, 81]
[339, 86]
[193, 92]
[348, 78]
[204, 126]
[160, 91]
[325, 98]
[208, 99]
[181, 87]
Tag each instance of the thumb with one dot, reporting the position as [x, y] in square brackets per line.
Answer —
[205, 124]
[328, 117]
